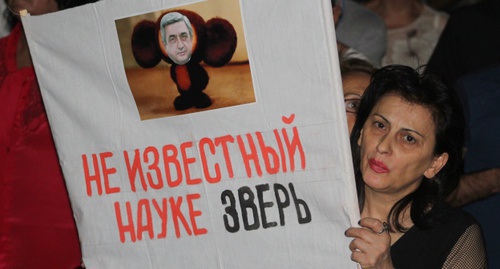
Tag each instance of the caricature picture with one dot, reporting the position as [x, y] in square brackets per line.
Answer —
[185, 60]
[177, 36]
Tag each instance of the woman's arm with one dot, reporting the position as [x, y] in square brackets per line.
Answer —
[469, 251]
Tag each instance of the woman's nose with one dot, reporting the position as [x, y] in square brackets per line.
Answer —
[384, 144]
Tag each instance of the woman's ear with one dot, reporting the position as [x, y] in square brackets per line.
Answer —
[437, 163]
[359, 138]
[337, 11]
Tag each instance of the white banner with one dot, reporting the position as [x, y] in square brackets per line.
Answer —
[258, 177]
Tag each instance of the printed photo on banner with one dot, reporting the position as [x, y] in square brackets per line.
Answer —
[186, 59]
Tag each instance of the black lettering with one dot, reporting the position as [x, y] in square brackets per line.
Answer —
[230, 212]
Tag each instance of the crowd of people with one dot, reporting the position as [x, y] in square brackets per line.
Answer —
[420, 86]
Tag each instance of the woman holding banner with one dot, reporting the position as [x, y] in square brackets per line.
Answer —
[406, 146]
[37, 229]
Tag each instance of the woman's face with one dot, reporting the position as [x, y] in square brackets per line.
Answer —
[354, 85]
[396, 147]
[34, 7]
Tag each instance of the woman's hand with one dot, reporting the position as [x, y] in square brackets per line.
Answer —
[371, 244]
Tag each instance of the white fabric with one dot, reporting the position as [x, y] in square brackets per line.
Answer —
[413, 44]
[293, 59]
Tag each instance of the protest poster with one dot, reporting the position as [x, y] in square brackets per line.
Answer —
[259, 177]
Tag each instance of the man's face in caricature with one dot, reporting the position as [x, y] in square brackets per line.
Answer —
[179, 42]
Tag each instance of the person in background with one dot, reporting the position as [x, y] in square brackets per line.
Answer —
[467, 57]
[356, 75]
[37, 229]
[406, 147]
[413, 30]
[467, 44]
[4, 26]
[360, 33]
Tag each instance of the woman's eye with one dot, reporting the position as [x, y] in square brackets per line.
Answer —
[410, 139]
[379, 125]
[352, 105]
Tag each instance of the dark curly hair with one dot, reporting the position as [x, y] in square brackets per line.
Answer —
[443, 103]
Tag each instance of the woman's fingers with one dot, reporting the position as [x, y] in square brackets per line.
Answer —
[371, 243]
[375, 225]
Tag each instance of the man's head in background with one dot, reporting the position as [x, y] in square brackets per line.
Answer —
[360, 32]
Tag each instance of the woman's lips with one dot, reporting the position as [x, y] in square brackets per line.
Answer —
[378, 167]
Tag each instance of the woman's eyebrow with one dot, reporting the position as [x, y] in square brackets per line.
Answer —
[413, 131]
[405, 129]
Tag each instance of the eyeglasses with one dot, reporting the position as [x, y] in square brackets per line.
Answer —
[352, 105]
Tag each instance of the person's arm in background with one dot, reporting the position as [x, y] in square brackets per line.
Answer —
[475, 186]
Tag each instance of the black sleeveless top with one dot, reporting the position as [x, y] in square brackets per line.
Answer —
[429, 248]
